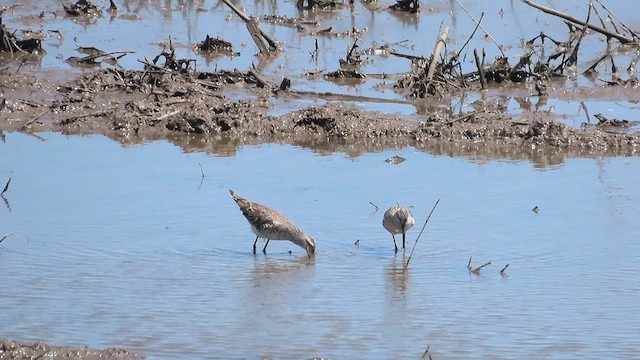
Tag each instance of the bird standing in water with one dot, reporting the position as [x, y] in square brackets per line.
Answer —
[398, 220]
[269, 224]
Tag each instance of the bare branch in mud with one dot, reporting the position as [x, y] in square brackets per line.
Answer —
[6, 187]
[256, 32]
[421, 230]
[612, 15]
[260, 81]
[607, 33]
[478, 24]
[470, 36]
[436, 53]
[168, 115]
[483, 80]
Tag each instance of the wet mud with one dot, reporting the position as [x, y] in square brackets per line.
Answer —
[17, 350]
[137, 106]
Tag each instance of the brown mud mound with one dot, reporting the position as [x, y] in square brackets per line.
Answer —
[156, 103]
[15, 350]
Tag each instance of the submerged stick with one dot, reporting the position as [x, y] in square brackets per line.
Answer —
[622, 39]
[420, 234]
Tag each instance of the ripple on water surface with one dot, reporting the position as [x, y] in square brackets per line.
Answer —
[126, 247]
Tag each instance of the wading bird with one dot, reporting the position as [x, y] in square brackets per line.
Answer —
[269, 224]
[398, 220]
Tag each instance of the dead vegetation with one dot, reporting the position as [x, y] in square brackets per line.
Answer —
[171, 95]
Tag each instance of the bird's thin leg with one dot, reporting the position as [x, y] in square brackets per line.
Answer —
[394, 242]
[264, 249]
[404, 240]
[254, 245]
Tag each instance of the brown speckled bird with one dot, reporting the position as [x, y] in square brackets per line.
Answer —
[269, 224]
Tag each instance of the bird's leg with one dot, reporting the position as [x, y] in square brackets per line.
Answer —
[264, 249]
[394, 242]
[254, 245]
[404, 240]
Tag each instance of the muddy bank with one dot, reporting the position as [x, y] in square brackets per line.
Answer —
[17, 350]
[137, 106]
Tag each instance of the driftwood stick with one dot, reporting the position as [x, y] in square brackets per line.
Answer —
[272, 42]
[548, 10]
[168, 115]
[631, 32]
[260, 81]
[436, 53]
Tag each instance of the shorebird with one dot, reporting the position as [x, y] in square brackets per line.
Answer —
[398, 220]
[269, 224]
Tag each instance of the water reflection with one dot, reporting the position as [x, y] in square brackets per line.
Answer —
[397, 279]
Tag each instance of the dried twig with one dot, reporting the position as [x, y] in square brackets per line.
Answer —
[574, 20]
[421, 230]
[502, 272]
[426, 355]
[4, 237]
[6, 187]
[201, 171]
[374, 205]
[477, 270]
[478, 24]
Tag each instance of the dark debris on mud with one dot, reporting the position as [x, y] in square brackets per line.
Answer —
[171, 97]
[16, 350]
[159, 101]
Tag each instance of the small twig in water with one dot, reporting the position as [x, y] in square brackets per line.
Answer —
[469, 264]
[420, 234]
[477, 270]
[201, 171]
[502, 272]
[4, 237]
[425, 354]
[357, 243]
[374, 205]
[6, 187]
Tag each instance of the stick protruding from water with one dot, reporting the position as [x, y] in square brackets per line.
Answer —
[420, 234]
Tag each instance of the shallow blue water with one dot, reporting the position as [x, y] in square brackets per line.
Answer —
[130, 247]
